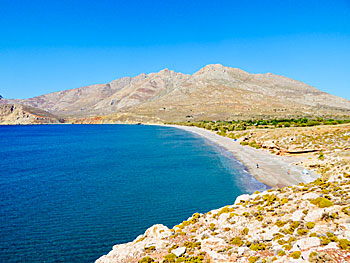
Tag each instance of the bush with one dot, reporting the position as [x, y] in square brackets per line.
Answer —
[322, 202]
[236, 241]
[302, 232]
[344, 244]
[310, 225]
[245, 231]
[295, 255]
[170, 258]
[146, 260]
[254, 259]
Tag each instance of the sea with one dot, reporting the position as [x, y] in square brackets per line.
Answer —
[68, 193]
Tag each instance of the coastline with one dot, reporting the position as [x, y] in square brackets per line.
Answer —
[272, 169]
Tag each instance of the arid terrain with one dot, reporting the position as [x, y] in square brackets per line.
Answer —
[215, 92]
[19, 114]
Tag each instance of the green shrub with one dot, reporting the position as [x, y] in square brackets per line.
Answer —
[150, 249]
[302, 232]
[295, 255]
[310, 225]
[344, 244]
[245, 231]
[172, 247]
[146, 260]
[236, 241]
[170, 258]
[254, 259]
[322, 202]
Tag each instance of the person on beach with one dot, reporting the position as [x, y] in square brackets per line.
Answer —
[257, 165]
[288, 172]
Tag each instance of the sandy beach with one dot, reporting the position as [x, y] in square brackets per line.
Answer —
[273, 169]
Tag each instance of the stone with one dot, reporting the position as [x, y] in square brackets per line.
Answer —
[310, 196]
[179, 251]
[268, 235]
[314, 215]
[306, 243]
[332, 245]
[240, 198]
[241, 250]
[297, 215]
[213, 243]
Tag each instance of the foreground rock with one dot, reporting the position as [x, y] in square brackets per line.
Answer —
[304, 223]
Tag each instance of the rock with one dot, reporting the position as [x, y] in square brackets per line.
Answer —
[314, 215]
[241, 250]
[347, 234]
[244, 198]
[332, 245]
[306, 243]
[309, 196]
[158, 231]
[179, 251]
[213, 243]
[297, 215]
[268, 235]
[222, 219]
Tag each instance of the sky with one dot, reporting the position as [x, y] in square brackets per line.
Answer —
[47, 46]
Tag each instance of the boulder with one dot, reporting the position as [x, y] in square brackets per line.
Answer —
[179, 251]
[310, 196]
[297, 215]
[332, 245]
[241, 250]
[314, 215]
[244, 198]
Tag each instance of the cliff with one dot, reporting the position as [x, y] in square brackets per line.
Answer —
[19, 114]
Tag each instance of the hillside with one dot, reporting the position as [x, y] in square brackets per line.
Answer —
[19, 114]
[214, 92]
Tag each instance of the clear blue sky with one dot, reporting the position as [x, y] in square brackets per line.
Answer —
[49, 45]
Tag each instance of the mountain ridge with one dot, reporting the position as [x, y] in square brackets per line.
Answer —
[213, 92]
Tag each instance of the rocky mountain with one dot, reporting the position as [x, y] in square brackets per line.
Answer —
[19, 114]
[214, 92]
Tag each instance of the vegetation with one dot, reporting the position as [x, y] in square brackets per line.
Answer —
[225, 127]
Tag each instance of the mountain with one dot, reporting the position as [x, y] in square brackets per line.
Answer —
[19, 114]
[214, 92]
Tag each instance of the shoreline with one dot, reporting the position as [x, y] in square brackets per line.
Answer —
[272, 169]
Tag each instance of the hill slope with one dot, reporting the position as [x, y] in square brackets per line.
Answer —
[214, 92]
[19, 114]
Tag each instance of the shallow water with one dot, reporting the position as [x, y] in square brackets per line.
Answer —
[68, 193]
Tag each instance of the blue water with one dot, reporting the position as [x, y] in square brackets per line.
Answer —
[68, 193]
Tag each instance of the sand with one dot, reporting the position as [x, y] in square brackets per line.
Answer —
[273, 169]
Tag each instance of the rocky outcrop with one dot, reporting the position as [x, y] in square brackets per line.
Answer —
[214, 92]
[19, 114]
[304, 223]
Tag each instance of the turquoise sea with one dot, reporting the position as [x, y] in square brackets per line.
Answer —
[68, 193]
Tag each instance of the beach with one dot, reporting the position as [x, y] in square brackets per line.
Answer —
[272, 169]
